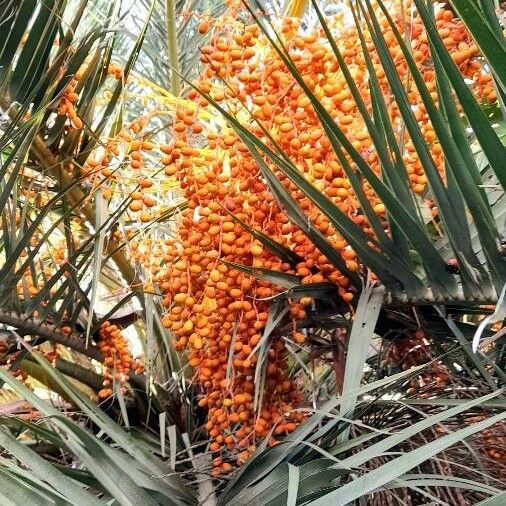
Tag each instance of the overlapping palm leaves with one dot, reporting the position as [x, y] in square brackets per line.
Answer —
[26, 142]
[40, 153]
[361, 444]
[332, 457]
[482, 272]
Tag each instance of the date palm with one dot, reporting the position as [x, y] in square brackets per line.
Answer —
[369, 437]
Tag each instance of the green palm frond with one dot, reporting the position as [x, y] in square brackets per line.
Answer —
[382, 445]
[399, 406]
[479, 278]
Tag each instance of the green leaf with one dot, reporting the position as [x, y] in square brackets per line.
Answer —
[94, 455]
[377, 449]
[473, 196]
[486, 135]
[314, 478]
[293, 485]
[34, 56]
[431, 258]
[471, 269]
[384, 474]
[15, 491]
[359, 341]
[497, 404]
[496, 500]
[18, 16]
[92, 452]
[111, 105]
[453, 223]
[380, 130]
[45, 471]
[5, 270]
[134, 447]
[403, 217]
[275, 277]
[441, 480]
[465, 346]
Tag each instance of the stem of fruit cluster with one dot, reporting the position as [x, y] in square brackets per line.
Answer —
[29, 325]
[296, 8]
[172, 48]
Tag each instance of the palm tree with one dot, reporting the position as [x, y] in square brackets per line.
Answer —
[403, 408]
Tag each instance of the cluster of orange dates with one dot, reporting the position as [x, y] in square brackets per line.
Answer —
[117, 358]
[494, 444]
[413, 350]
[216, 310]
[66, 106]
[70, 94]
